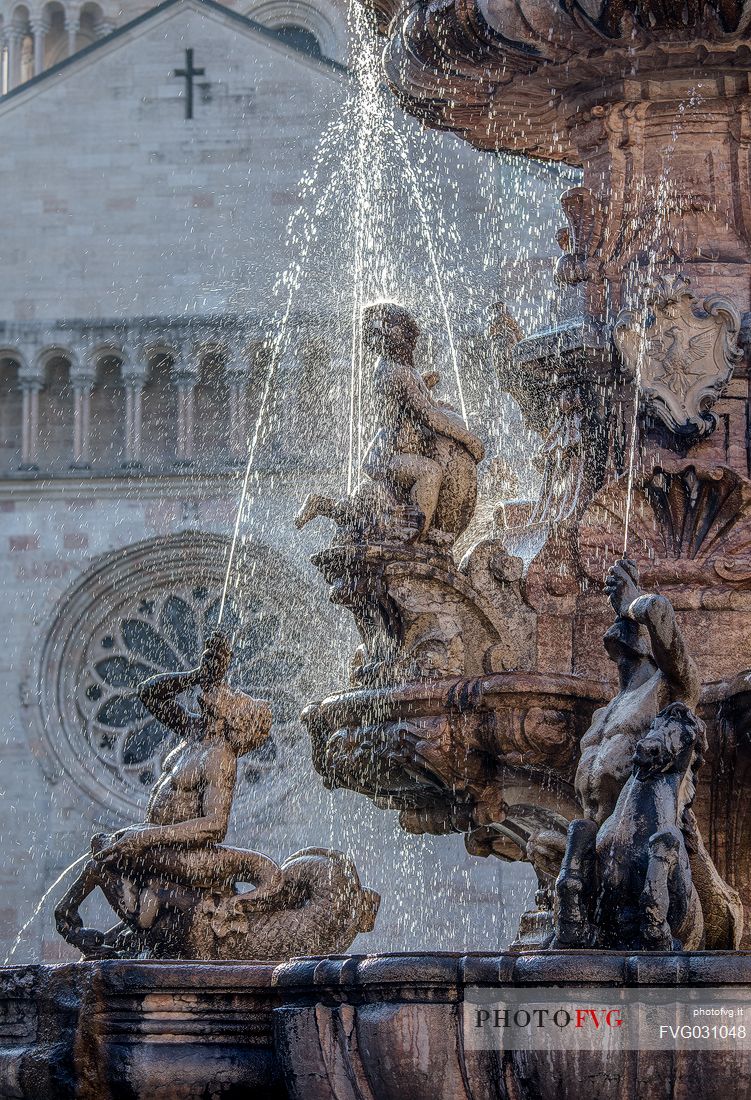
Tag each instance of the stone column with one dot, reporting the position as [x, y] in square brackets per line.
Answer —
[30, 387]
[39, 31]
[236, 374]
[72, 25]
[82, 383]
[134, 380]
[185, 377]
[14, 45]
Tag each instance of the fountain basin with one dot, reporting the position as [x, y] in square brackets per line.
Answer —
[356, 1027]
[461, 754]
[390, 1027]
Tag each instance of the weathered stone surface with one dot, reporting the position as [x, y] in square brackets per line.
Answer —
[384, 1026]
[104, 1031]
[391, 1027]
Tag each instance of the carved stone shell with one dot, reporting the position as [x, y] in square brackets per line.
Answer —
[686, 526]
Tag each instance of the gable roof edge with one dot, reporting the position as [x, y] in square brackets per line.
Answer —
[213, 5]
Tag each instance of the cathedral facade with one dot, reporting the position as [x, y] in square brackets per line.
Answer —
[157, 154]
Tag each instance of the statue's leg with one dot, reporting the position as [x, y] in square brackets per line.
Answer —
[576, 886]
[664, 895]
[317, 505]
[422, 478]
[89, 941]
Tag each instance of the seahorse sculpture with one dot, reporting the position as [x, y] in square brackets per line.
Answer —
[628, 885]
[176, 888]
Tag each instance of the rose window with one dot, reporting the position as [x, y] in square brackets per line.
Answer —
[166, 633]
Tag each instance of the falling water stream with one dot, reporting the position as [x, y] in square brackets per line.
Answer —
[27, 924]
[370, 116]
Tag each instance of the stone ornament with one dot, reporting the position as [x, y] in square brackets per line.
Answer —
[420, 615]
[173, 882]
[688, 526]
[420, 482]
[682, 358]
[655, 673]
[500, 72]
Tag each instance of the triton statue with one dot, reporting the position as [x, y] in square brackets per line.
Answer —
[174, 883]
[656, 674]
[628, 884]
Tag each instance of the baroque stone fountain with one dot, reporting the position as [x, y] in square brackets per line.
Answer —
[481, 697]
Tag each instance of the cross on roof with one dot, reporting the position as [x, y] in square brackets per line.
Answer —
[188, 73]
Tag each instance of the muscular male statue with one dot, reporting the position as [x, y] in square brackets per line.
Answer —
[654, 670]
[177, 854]
[423, 454]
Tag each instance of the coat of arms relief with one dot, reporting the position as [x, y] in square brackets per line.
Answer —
[680, 353]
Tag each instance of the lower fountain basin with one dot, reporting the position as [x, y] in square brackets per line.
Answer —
[359, 1027]
[138, 1031]
[390, 1027]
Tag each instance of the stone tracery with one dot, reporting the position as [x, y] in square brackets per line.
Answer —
[134, 619]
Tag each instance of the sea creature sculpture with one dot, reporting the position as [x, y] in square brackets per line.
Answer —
[171, 880]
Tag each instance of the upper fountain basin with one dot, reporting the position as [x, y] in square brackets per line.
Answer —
[521, 75]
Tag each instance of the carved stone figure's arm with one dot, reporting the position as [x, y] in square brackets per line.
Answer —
[159, 696]
[668, 645]
[414, 393]
[210, 828]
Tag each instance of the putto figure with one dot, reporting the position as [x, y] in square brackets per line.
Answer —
[172, 880]
[421, 467]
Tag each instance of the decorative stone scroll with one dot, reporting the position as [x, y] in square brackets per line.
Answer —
[682, 355]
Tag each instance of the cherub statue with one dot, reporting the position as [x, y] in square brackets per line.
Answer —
[421, 467]
[172, 876]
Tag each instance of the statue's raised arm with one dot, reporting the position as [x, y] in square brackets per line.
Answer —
[656, 613]
[161, 694]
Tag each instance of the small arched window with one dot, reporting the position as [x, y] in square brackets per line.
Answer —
[301, 38]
